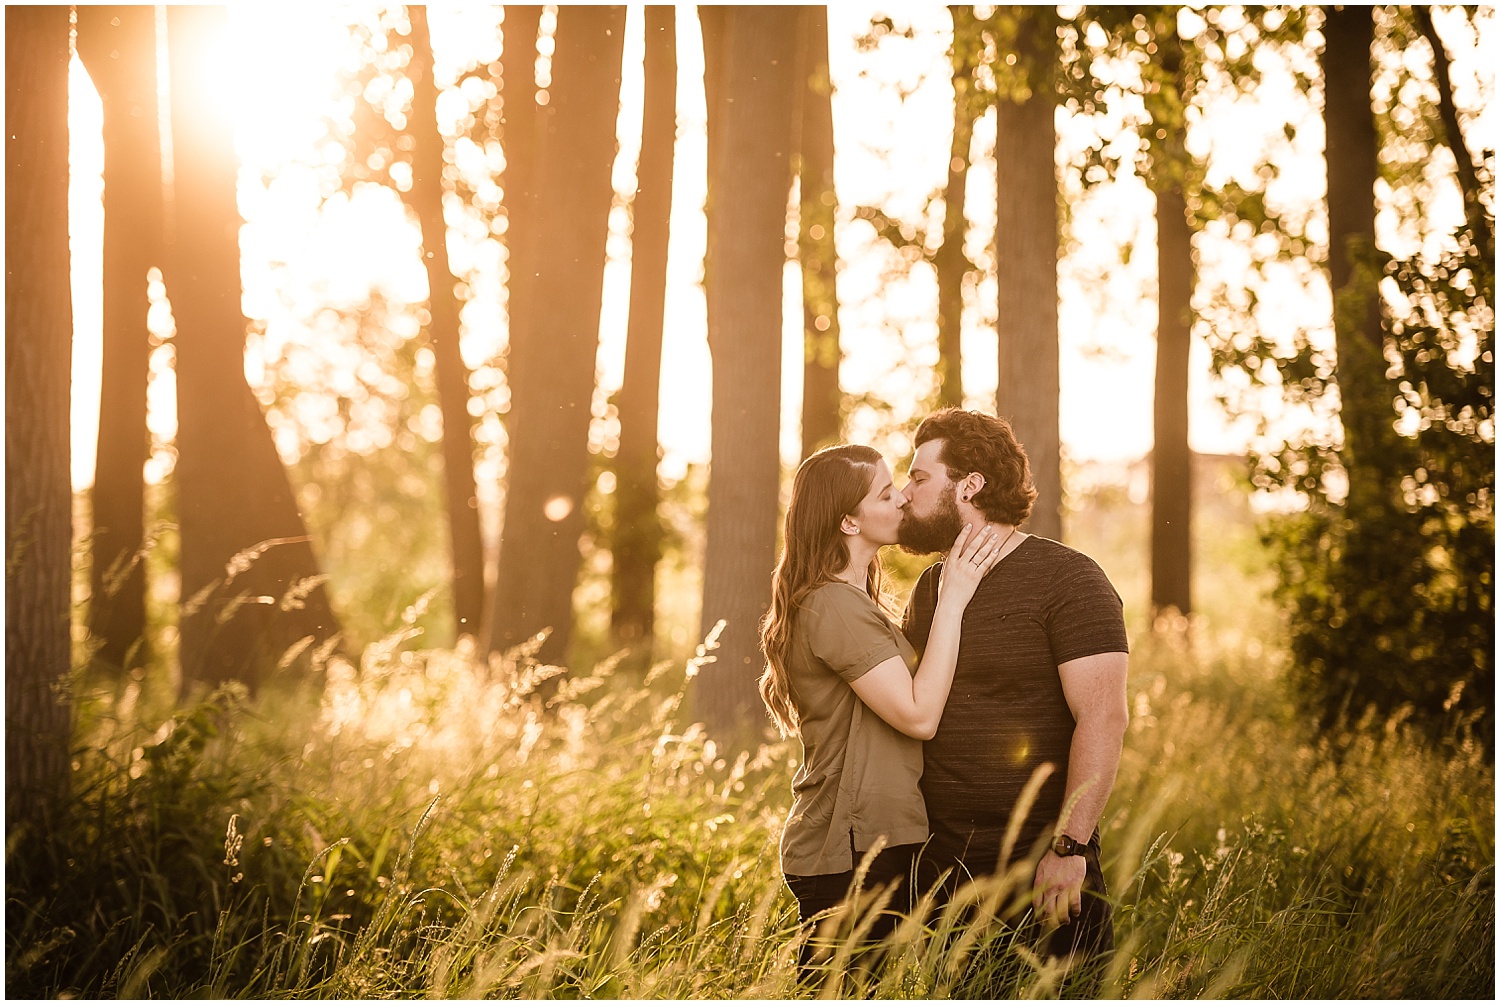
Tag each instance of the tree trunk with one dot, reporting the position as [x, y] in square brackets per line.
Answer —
[426, 200]
[1171, 459]
[822, 402]
[118, 47]
[521, 124]
[520, 121]
[752, 137]
[251, 587]
[638, 529]
[1463, 160]
[1026, 266]
[1352, 151]
[38, 372]
[713, 23]
[951, 263]
[551, 373]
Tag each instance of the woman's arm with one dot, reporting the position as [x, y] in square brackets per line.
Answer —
[914, 704]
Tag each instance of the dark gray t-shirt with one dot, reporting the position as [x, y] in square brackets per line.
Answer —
[1043, 605]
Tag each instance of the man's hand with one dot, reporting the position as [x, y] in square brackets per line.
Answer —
[1057, 893]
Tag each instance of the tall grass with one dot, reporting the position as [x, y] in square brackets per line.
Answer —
[431, 822]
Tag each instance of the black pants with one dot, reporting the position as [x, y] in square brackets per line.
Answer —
[1091, 934]
[816, 894]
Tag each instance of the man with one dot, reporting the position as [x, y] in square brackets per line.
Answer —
[1040, 682]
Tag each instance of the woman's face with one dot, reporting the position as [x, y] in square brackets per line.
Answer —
[880, 512]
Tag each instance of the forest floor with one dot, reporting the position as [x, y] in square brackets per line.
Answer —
[432, 823]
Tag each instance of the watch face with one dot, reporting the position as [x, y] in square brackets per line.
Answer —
[1063, 845]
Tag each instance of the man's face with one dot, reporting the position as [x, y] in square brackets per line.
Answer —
[932, 521]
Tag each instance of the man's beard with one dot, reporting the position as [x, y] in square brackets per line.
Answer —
[934, 532]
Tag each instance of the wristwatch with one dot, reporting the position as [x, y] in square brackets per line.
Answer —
[1063, 846]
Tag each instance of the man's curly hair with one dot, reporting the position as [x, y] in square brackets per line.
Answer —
[973, 441]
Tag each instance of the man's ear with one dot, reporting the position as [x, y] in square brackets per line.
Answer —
[971, 486]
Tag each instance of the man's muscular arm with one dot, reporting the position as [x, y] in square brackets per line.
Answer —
[1095, 690]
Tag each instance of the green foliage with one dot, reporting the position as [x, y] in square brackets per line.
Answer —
[1394, 606]
[428, 823]
[1389, 602]
[1173, 54]
[1295, 852]
[354, 403]
[140, 875]
[350, 389]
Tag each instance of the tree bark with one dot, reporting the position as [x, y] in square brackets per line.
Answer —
[951, 262]
[1352, 150]
[638, 529]
[551, 372]
[118, 47]
[234, 500]
[426, 200]
[822, 401]
[753, 128]
[38, 372]
[1026, 266]
[1171, 458]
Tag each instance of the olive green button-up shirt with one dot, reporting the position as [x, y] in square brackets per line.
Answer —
[859, 777]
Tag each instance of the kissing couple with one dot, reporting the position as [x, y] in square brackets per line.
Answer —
[920, 738]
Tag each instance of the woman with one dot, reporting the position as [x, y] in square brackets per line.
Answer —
[844, 679]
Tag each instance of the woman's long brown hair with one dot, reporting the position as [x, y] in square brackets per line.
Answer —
[828, 486]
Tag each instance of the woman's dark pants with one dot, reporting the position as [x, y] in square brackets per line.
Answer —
[816, 894]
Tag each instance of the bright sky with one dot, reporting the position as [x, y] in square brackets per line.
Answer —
[307, 246]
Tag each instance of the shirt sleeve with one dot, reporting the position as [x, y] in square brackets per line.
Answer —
[1085, 615]
[847, 632]
[916, 621]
